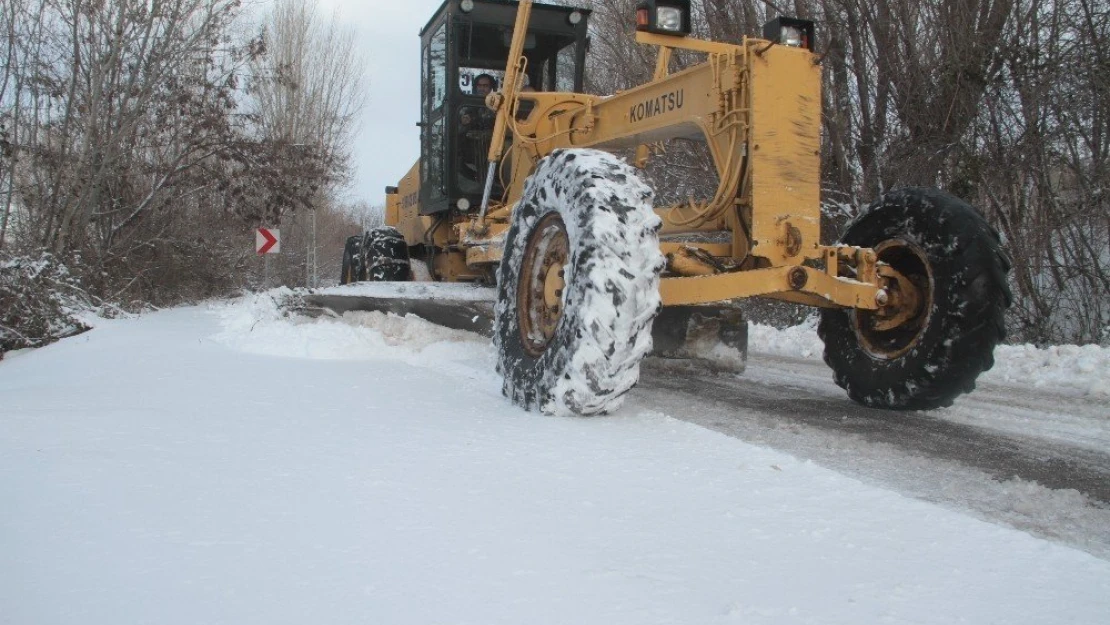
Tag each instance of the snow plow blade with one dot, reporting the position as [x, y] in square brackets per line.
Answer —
[712, 337]
[715, 337]
[451, 305]
[471, 316]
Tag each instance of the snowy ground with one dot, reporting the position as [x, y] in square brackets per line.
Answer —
[1071, 369]
[225, 464]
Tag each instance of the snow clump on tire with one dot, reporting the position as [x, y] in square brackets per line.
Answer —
[611, 292]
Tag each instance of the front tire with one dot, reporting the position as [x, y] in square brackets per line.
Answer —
[956, 261]
[578, 285]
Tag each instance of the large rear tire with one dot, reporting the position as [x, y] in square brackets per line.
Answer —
[578, 285]
[956, 261]
[386, 255]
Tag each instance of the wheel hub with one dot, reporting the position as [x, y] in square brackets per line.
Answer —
[896, 327]
[540, 294]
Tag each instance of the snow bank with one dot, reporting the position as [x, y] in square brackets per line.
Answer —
[1078, 370]
[1085, 369]
[260, 324]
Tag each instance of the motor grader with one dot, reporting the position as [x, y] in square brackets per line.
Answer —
[519, 188]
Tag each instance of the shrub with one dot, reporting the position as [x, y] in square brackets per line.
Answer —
[39, 299]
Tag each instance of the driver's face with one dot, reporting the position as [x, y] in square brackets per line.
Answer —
[482, 87]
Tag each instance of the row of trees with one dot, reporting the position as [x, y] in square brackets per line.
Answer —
[142, 140]
[1003, 102]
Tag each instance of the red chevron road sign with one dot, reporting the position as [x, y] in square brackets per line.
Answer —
[267, 241]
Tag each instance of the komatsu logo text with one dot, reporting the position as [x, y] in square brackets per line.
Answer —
[655, 106]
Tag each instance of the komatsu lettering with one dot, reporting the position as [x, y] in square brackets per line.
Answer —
[656, 106]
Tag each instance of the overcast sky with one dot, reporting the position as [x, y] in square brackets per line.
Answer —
[387, 141]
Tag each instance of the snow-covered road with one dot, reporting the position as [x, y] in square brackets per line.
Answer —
[227, 465]
[1050, 478]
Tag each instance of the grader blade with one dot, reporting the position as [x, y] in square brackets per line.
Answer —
[715, 337]
[712, 337]
[455, 306]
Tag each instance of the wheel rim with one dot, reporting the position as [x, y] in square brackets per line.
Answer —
[877, 335]
[539, 295]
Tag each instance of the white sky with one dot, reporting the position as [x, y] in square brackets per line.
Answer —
[387, 142]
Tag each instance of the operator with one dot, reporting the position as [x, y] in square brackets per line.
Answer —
[479, 118]
[475, 134]
[484, 84]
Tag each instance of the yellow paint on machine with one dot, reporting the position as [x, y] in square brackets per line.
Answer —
[785, 153]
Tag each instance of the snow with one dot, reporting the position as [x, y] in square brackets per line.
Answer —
[1072, 369]
[1083, 369]
[259, 325]
[232, 464]
[612, 279]
[454, 291]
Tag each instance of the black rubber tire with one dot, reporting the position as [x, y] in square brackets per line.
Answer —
[385, 255]
[960, 325]
[611, 292]
[352, 260]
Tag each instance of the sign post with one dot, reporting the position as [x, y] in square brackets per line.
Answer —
[267, 241]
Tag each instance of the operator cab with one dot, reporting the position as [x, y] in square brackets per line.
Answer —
[465, 48]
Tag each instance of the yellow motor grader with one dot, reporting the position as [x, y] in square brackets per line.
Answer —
[518, 187]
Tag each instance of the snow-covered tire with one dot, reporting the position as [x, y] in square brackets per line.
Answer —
[946, 248]
[352, 261]
[585, 223]
[385, 255]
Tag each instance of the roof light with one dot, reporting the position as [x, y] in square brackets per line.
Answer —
[664, 17]
[668, 18]
[788, 31]
[791, 37]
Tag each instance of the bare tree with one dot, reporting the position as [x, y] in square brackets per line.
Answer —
[122, 115]
[1003, 102]
[1042, 167]
[308, 90]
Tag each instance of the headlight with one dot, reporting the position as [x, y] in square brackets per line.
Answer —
[663, 17]
[788, 31]
[668, 18]
[467, 6]
[791, 36]
[574, 18]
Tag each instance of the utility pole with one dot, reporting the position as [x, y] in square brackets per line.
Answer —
[310, 257]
